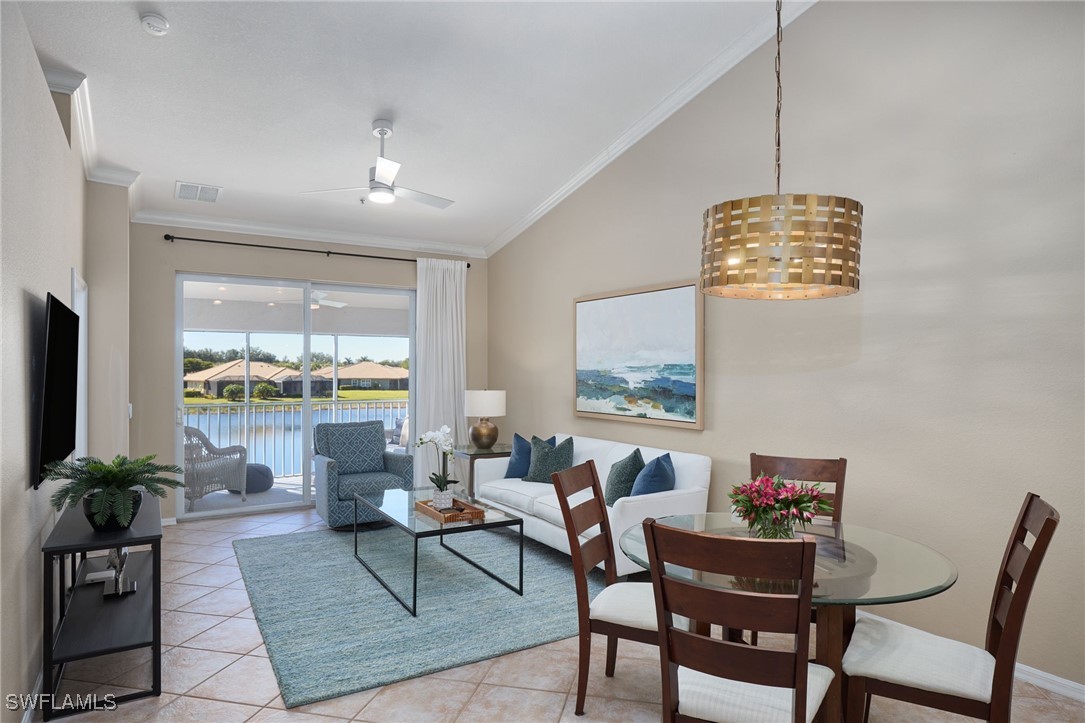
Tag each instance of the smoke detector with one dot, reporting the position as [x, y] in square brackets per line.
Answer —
[154, 24]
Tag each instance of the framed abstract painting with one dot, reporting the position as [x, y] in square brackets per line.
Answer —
[640, 355]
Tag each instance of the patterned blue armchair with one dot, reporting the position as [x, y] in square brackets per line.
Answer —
[352, 457]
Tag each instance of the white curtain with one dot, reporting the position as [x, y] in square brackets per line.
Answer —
[440, 357]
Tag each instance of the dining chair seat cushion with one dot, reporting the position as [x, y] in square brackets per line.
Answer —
[718, 699]
[632, 604]
[895, 653]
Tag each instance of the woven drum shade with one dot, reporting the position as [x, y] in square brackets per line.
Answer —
[791, 246]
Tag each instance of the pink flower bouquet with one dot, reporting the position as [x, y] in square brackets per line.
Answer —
[772, 505]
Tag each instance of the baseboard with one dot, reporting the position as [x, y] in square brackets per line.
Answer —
[28, 714]
[169, 521]
[1047, 681]
[1028, 674]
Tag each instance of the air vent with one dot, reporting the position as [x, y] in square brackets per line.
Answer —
[196, 192]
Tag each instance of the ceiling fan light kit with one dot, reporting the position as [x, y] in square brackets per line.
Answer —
[782, 246]
[382, 177]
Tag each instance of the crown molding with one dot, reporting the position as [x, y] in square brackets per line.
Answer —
[684, 93]
[229, 225]
[113, 175]
[76, 85]
[63, 81]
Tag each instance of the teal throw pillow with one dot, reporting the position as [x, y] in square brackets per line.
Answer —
[657, 476]
[622, 476]
[520, 459]
[546, 460]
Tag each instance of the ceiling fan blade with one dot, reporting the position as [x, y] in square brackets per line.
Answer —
[424, 198]
[386, 171]
[332, 304]
[337, 190]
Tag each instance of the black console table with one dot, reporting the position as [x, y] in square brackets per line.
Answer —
[90, 625]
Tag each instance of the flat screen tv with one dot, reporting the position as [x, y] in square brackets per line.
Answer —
[59, 384]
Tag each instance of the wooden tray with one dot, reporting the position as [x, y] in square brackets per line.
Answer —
[470, 512]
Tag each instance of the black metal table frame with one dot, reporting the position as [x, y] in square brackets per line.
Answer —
[70, 576]
[440, 533]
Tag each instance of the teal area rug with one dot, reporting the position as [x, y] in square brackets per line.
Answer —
[331, 629]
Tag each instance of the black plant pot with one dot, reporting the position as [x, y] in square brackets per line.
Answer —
[111, 522]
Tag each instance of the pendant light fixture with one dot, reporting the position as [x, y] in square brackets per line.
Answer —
[790, 246]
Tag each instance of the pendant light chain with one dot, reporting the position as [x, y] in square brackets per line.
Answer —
[779, 89]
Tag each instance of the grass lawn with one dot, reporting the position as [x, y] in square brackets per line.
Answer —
[352, 395]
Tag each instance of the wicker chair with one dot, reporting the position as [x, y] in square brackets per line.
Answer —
[209, 468]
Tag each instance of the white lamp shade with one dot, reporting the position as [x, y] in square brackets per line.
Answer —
[484, 403]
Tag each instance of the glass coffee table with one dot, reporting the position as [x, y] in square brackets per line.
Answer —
[398, 508]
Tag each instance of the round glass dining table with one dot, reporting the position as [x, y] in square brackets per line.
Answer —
[854, 566]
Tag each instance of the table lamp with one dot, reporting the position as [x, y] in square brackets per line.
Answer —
[484, 403]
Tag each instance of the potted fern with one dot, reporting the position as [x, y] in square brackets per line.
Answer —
[107, 490]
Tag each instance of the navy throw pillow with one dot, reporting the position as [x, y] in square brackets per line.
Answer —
[657, 476]
[520, 461]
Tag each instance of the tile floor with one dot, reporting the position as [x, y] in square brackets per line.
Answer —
[215, 667]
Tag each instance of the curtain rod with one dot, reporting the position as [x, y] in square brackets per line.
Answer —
[171, 238]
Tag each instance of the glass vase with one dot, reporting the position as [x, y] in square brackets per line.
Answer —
[783, 531]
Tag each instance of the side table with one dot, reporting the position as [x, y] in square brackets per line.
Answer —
[472, 453]
[89, 625]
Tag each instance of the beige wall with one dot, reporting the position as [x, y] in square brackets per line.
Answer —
[155, 264]
[953, 382]
[107, 281]
[41, 239]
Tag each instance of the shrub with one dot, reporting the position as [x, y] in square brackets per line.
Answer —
[264, 390]
[193, 394]
[233, 392]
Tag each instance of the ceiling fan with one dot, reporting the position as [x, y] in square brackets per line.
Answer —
[382, 176]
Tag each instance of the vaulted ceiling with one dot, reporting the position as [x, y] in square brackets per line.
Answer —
[504, 108]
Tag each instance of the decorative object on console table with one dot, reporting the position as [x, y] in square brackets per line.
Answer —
[771, 506]
[640, 356]
[442, 441]
[106, 490]
[484, 403]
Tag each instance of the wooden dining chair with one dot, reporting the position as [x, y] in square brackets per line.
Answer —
[826, 471]
[622, 609]
[705, 678]
[801, 469]
[896, 661]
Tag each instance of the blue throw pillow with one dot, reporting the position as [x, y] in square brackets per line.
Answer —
[520, 461]
[657, 476]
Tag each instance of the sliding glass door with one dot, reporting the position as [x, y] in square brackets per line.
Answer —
[263, 361]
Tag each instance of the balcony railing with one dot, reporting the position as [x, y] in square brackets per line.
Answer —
[272, 432]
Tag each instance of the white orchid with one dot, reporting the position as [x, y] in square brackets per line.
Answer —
[442, 440]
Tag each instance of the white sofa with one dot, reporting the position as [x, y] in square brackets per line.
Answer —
[537, 503]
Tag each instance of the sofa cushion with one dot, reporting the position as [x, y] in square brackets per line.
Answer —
[657, 476]
[548, 509]
[622, 476]
[355, 447]
[520, 459]
[515, 493]
[546, 460]
[367, 483]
